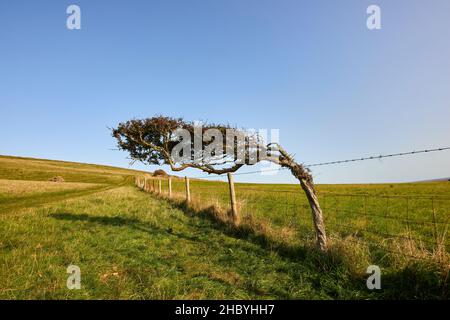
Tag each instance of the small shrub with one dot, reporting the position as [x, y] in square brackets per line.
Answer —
[57, 179]
[160, 173]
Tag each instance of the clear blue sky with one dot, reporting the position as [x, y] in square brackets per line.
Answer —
[310, 68]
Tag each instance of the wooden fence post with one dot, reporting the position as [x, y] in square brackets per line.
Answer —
[154, 187]
[170, 187]
[188, 192]
[144, 187]
[159, 186]
[234, 212]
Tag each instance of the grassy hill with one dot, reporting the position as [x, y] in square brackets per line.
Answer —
[133, 245]
[20, 168]
[25, 182]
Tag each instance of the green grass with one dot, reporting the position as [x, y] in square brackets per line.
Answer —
[379, 213]
[133, 245]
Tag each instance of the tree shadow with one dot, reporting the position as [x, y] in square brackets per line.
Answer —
[246, 232]
[417, 280]
[117, 221]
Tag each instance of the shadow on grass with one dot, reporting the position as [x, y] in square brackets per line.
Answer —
[117, 221]
[249, 232]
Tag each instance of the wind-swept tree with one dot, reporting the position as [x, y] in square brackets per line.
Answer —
[182, 144]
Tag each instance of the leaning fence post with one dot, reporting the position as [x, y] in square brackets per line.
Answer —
[159, 186]
[170, 187]
[234, 212]
[188, 192]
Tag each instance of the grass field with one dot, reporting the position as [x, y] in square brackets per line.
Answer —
[381, 213]
[133, 245]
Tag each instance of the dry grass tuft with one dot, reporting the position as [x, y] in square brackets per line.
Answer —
[351, 252]
[417, 250]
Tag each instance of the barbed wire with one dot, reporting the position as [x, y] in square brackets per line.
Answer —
[378, 157]
[399, 154]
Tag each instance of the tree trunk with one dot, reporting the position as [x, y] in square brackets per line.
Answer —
[308, 187]
[306, 182]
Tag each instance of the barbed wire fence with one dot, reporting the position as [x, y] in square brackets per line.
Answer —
[413, 226]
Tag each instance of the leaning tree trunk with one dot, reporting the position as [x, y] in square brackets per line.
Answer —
[319, 226]
[307, 184]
